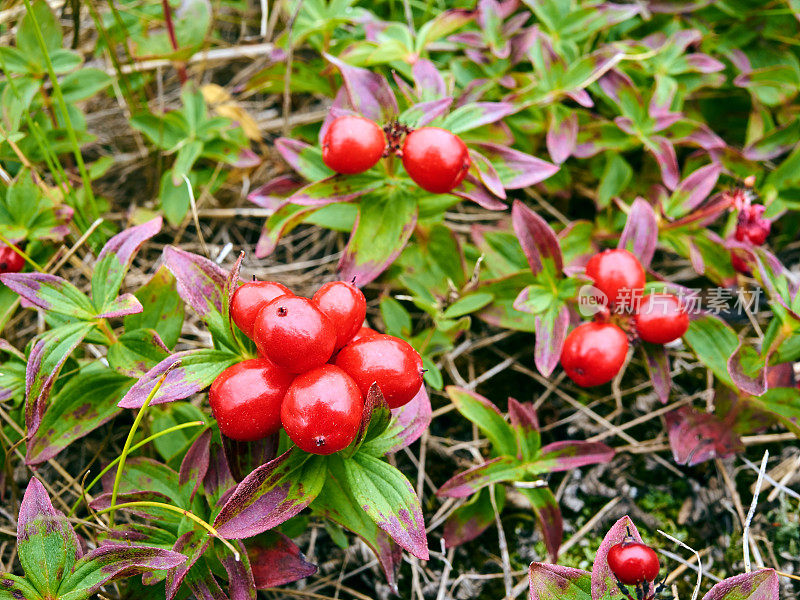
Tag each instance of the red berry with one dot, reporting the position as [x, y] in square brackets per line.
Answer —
[386, 360]
[294, 334]
[752, 226]
[594, 353]
[345, 306]
[618, 274]
[352, 145]
[322, 410]
[633, 563]
[661, 319]
[250, 298]
[363, 333]
[739, 264]
[10, 260]
[435, 159]
[246, 399]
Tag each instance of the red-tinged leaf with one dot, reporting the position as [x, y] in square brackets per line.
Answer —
[640, 235]
[17, 588]
[554, 581]
[516, 169]
[126, 304]
[616, 84]
[487, 417]
[194, 465]
[664, 153]
[271, 494]
[497, 470]
[603, 582]
[192, 545]
[337, 503]
[204, 586]
[408, 423]
[551, 331]
[276, 560]
[537, 238]
[488, 174]
[471, 116]
[522, 415]
[545, 506]
[241, 585]
[384, 224]
[154, 513]
[473, 518]
[389, 499]
[339, 188]
[657, 363]
[423, 113]
[693, 190]
[442, 25]
[48, 355]
[111, 562]
[46, 542]
[582, 97]
[281, 222]
[245, 457]
[743, 375]
[763, 584]
[74, 412]
[702, 135]
[115, 259]
[369, 93]
[272, 195]
[188, 372]
[474, 190]
[571, 454]
[696, 437]
[218, 483]
[304, 158]
[200, 280]
[429, 82]
[562, 135]
[703, 63]
[50, 293]
[775, 143]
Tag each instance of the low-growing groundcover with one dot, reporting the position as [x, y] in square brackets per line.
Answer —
[341, 299]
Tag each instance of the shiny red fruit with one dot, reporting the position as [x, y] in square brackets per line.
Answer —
[294, 334]
[345, 306]
[633, 563]
[352, 145]
[363, 333]
[322, 410]
[594, 353]
[246, 399]
[618, 274]
[10, 261]
[435, 159]
[739, 264]
[661, 319]
[386, 360]
[250, 298]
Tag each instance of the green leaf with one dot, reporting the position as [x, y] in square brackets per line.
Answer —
[27, 38]
[555, 581]
[16, 588]
[487, 417]
[395, 318]
[470, 520]
[51, 293]
[497, 470]
[467, 305]
[168, 415]
[84, 83]
[616, 177]
[185, 159]
[714, 342]
[390, 501]
[64, 60]
[163, 308]
[165, 132]
[88, 400]
[784, 404]
[136, 352]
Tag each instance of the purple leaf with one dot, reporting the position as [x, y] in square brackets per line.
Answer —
[693, 190]
[369, 93]
[281, 222]
[562, 135]
[244, 457]
[538, 240]
[339, 188]
[272, 195]
[112, 562]
[473, 518]
[218, 483]
[409, 422]
[488, 174]
[232, 282]
[517, 169]
[703, 63]
[204, 586]
[271, 494]
[497, 470]
[640, 235]
[773, 144]
[473, 189]
[423, 113]
[657, 363]
[200, 281]
[276, 560]
[46, 542]
[188, 372]
[192, 545]
[696, 437]
[241, 585]
[50, 293]
[522, 415]
[582, 97]
[545, 506]
[571, 454]
[763, 584]
[554, 581]
[429, 82]
[755, 385]
[603, 582]
[664, 153]
[126, 304]
[614, 83]
[194, 465]
[551, 331]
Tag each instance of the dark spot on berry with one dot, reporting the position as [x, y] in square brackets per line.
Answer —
[319, 441]
[580, 371]
[3, 266]
[282, 311]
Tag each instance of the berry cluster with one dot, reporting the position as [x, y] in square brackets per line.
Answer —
[751, 226]
[316, 364]
[594, 352]
[633, 563]
[11, 261]
[436, 159]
